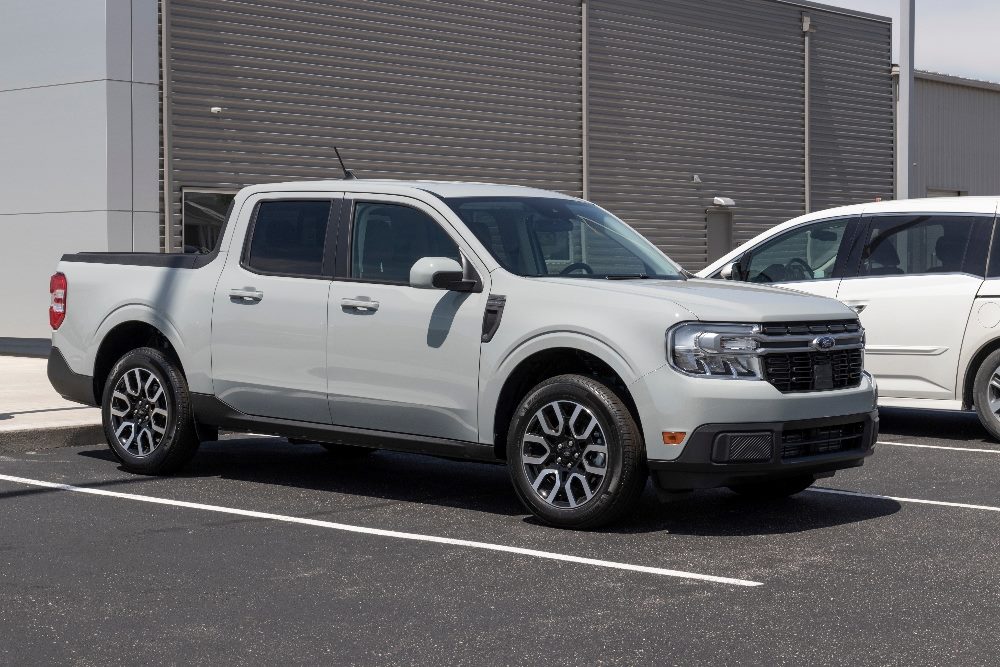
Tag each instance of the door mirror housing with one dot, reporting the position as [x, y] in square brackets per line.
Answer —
[441, 273]
[732, 271]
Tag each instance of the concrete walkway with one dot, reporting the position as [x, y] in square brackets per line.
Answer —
[33, 415]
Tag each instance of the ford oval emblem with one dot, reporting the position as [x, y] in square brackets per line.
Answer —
[824, 343]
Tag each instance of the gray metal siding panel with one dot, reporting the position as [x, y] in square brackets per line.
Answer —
[958, 146]
[851, 111]
[471, 90]
[687, 87]
[715, 88]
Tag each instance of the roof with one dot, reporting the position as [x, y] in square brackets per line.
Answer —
[443, 189]
[956, 80]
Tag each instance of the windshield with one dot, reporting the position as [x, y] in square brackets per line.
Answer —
[540, 236]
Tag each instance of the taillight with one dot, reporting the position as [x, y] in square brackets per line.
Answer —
[57, 303]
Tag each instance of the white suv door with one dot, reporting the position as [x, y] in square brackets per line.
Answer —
[269, 314]
[402, 359]
[807, 258]
[916, 279]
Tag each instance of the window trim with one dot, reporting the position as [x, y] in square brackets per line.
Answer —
[861, 242]
[840, 267]
[327, 267]
[345, 243]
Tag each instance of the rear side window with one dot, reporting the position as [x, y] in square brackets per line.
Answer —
[288, 238]
[905, 245]
[389, 238]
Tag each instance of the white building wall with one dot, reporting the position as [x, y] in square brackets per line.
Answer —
[79, 86]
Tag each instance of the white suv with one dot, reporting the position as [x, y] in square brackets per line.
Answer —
[924, 276]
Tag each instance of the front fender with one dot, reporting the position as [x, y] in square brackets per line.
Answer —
[493, 375]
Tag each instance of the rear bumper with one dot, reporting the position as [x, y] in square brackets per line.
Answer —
[804, 447]
[71, 386]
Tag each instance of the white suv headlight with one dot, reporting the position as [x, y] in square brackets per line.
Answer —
[715, 350]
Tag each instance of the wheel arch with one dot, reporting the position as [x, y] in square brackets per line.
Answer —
[557, 355]
[123, 336]
[969, 381]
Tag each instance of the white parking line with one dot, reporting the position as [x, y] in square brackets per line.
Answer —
[919, 501]
[955, 449]
[386, 533]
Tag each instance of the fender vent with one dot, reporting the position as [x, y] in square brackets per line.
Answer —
[491, 318]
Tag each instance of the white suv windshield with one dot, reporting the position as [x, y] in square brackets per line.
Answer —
[539, 236]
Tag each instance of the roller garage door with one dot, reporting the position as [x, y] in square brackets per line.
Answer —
[436, 89]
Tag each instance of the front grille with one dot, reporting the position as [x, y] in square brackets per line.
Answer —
[791, 364]
[803, 442]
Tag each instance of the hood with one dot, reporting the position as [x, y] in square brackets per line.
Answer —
[724, 301]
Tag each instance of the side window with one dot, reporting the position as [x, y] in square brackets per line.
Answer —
[900, 245]
[288, 238]
[806, 253]
[387, 239]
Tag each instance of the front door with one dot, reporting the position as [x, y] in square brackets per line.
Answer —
[270, 316]
[402, 359]
[806, 258]
[914, 289]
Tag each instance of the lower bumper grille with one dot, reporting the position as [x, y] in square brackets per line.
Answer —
[822, 440]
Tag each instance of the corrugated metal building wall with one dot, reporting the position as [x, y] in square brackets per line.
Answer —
[957, 145]
[488, 90]
[473, 90]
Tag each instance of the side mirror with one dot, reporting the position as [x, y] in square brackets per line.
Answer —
[731, 271]
[440, 273]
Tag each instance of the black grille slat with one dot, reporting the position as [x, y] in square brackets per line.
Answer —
[797, 371]
[799, 443]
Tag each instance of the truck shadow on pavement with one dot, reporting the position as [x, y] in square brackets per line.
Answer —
[390, 478]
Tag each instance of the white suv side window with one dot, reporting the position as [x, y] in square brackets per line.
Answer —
[807, 253]
[915, 244]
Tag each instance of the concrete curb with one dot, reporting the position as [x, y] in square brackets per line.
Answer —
[32, 439]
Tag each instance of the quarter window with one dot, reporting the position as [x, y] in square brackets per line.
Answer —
[389, 238]
[807, 253]
[289, 237]
[917, 244]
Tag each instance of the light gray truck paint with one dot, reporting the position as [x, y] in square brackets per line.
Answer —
[415, 363]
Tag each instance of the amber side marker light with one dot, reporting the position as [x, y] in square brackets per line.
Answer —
[673, 437]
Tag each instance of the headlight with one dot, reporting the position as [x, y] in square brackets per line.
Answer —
[715, 350]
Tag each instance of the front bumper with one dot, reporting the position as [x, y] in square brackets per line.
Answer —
[816, 447]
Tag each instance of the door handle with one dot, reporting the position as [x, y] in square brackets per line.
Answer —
[364, 305]
[246, 295]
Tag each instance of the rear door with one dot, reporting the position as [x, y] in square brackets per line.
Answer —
[808, 258]
[269, 321]
[914, 286]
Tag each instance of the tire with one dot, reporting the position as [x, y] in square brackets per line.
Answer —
[774, 489]
[986, 396]
[147, 415]
[575, 454]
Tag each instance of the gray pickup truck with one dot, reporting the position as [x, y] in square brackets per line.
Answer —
[469, 321]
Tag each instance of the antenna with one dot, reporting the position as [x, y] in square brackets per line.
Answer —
[348, 173]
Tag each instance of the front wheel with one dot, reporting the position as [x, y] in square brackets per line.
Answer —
[986, 393]
[147, 413]
[575, 453]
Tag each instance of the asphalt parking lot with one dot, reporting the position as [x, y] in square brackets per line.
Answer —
[268, 552]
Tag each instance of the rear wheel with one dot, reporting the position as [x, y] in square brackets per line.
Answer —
[986, 393]
[147, 413]
[575, 453]
[774, 489]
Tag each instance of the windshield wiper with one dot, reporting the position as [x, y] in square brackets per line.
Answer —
[627, 276]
